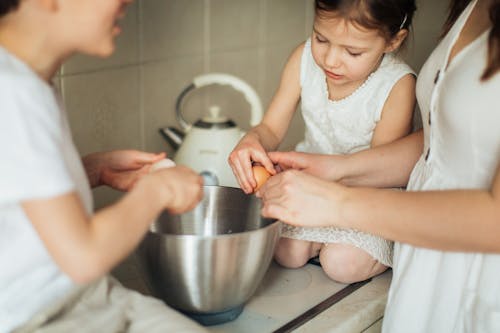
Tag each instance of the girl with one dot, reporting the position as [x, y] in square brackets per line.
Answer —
[54, 249]
[447, 226]
[355, 94]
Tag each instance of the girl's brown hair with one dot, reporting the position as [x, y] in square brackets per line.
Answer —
[387, 16]
[493, 62]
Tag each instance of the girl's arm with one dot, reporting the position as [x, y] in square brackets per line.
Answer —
[270, 132]
[397, 113]
[86, 247]
[452, 220]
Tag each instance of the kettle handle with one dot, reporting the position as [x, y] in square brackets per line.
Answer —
[225, 79]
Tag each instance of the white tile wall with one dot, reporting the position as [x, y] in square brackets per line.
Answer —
[172, 28]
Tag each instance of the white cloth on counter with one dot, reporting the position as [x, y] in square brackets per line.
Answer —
[440, 291]
[344, 127]
[106, 306]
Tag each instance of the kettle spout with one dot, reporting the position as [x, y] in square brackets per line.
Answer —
[173, 136]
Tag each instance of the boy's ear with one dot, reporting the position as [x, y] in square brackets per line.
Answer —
[396, 41]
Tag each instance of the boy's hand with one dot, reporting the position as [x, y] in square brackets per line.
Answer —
[119, 169]
[180, 187]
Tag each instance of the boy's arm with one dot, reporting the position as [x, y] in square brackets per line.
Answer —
[86, 247]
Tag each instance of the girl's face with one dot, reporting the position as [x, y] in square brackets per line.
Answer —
[348, 54]
[92, 25]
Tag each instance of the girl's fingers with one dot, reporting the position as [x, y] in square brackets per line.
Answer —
[246, 182]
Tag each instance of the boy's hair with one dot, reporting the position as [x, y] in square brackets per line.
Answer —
[493, 65]
[387, 16]
[8, 5]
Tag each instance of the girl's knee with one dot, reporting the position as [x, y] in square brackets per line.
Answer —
[348, 264]
[293, 253]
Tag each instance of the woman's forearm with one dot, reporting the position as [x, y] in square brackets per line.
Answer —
[388, 165]
[457, 220]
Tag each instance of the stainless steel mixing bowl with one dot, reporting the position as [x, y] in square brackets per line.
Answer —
[209, 262]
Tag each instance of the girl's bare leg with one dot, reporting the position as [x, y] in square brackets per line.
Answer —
[294, 253]
[348, 264]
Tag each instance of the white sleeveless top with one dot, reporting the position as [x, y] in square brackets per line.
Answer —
[342, 127]
[439, 291]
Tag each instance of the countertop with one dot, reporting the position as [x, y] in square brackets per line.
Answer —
[288, 299]
[298, 300]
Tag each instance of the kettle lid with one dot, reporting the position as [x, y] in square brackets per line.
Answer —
[215, 120]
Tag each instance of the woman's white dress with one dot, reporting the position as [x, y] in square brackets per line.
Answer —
[344, 127]
[438, 291]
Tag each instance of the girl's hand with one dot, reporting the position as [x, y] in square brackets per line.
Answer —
[179, 187]
[300, 199]
[119, 169]
[246, 152]
[327, 167]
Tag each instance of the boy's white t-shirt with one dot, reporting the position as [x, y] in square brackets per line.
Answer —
[38, 160]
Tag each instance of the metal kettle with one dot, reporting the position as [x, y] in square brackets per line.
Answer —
[205, 145]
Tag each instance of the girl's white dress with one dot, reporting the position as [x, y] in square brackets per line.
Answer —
[344, 127]
[444, 291]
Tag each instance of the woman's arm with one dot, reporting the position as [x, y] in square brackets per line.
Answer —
[387, 165]
[86, 247]
[454, 220]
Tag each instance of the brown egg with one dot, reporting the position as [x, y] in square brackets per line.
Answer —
[261, 175]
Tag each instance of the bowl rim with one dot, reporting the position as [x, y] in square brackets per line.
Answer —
[274, 224]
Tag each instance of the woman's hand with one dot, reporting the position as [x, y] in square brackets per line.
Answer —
[119, 169]
[300, 199]
[327, 167]
[247, 151]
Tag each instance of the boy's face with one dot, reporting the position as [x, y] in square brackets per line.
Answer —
[92, 25]
[348, 54]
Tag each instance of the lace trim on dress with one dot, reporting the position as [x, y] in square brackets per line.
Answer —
[377, 247]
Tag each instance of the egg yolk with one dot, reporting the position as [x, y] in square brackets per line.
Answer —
[261, 175]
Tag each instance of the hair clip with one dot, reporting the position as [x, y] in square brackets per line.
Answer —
[404, 21]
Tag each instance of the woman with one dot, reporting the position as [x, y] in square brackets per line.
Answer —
[447, 225]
